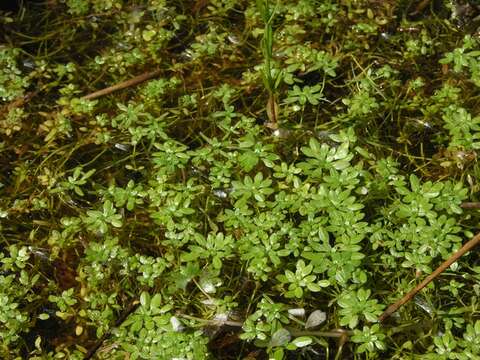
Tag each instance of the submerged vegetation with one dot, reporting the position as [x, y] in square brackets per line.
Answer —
[282, 172]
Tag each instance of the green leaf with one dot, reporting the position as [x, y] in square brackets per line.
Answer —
[156, 301]
[279, 338]
[248, 160]
[298, 292]
[414, 183]
[43, 316]
[278, 354]
[313, 287]
[302, 341]
[323, 283]
[145, 299]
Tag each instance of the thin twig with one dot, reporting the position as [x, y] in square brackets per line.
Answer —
[125, 84]
[470, 205]
[409, 296]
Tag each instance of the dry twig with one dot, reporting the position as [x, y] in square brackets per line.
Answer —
[410, 295]
[124, 84]
[470, 205]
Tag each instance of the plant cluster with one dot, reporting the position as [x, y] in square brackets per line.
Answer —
[295, 167]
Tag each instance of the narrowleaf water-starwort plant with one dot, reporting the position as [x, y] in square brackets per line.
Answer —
[290, 170]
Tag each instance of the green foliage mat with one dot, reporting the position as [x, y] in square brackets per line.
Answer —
[294, 168]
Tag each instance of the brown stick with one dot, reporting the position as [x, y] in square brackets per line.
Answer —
[409, 296]
[470, 205]
[125, 84]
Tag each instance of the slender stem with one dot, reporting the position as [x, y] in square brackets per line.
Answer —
[212, 322]
[409, 296]
[343, 339]
[335, 333]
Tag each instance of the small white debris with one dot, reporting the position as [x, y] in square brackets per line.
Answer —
[122, 147]
[316, 318]
[208, 302]
[298, 312]
[363, 190]
[220, 193]
[209, 288]
[221, 318]
[233, 39]
[176, 324]
[281, 133]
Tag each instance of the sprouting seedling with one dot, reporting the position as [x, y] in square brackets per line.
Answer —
[271, 78]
